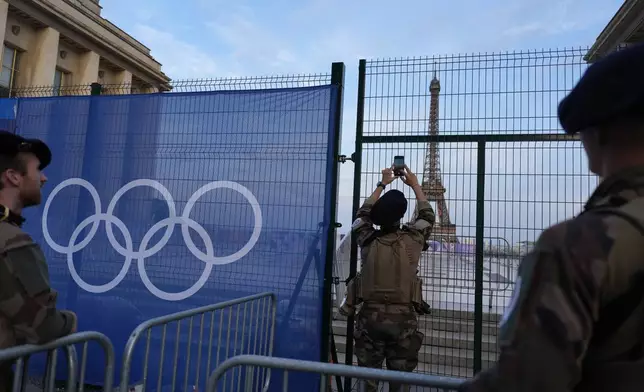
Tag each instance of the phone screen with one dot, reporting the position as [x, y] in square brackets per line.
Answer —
[399, 164]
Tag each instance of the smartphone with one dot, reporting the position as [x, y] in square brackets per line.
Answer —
[399, 165]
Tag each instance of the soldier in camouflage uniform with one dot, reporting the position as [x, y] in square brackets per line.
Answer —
[576, 320]
[388, 329]
[28, 311]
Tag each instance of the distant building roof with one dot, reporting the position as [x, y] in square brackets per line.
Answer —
[625, 28]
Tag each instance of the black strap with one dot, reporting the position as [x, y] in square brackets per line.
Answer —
[9, 216]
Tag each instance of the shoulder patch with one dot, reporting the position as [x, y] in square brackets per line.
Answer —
[522, 286]
[509, 324]
[509, 310]
[356, 223]
[421, 224]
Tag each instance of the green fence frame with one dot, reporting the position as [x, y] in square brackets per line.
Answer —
[540, 77]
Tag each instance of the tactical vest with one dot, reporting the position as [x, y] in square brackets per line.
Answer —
[388, 274]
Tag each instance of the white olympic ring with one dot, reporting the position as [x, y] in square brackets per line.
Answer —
[130, 254]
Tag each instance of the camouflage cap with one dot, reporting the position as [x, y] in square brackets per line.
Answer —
[610, 89]
[12, 144]
[389, 209]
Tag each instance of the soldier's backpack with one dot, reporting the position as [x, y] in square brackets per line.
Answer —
[388, 275]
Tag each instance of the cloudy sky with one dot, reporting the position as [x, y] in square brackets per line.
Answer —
[213, 38]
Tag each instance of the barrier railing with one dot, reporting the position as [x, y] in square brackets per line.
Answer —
[251, 361]
[21, 354]
[262, 343]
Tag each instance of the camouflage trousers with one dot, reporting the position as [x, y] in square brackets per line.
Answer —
[387, 333]
[6, 377]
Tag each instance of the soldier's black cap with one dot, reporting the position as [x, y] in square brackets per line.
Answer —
[12, 144]
[389, 209]
[610, 89]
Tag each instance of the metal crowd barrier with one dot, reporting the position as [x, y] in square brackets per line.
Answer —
[21, 354]
[261, 344]
[251, 361]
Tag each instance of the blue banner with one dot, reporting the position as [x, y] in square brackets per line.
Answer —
[165, 202]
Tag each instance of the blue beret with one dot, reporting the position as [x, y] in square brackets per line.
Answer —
[610, 89]
[389, 209]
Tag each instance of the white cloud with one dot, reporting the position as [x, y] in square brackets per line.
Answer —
[179, 58]
[249, 45]
[562, 17]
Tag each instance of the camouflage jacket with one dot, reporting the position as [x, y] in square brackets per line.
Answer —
[28, 311]
[417, 232]
[576, 318]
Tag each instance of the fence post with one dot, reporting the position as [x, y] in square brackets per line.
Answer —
[357, 168]
[95, 89]
[89, 163]
[478, 277]
[337, 79]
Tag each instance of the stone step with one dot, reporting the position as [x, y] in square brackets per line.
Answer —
[438, 338]
[441, 356]
[457, 325]
[449, 324]
[426, 368]
[465, 315]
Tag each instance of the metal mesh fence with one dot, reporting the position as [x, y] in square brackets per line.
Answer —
[453, 117]
[492, 141]
[182, 86]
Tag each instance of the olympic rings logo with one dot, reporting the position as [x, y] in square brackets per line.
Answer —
[144, 252]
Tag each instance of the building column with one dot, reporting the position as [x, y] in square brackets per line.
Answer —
[4, 13]
[43, 58]
[7, 122]
[123, 82]
[87, 71]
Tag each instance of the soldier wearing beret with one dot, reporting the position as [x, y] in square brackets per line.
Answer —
[28, 313]
[388, 288]
[576, 319]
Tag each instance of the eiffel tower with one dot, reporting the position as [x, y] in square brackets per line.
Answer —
[432, 186]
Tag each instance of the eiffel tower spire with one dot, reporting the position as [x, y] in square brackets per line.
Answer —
[432, 186]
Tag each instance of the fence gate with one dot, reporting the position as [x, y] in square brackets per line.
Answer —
[481, 132]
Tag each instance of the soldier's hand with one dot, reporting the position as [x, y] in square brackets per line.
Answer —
[409, 177]
[387, 176]
[74, 318]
